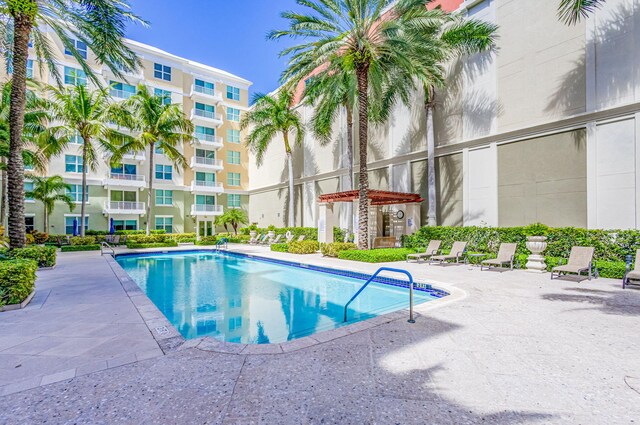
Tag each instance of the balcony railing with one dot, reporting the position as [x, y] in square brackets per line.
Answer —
[124, 207]
[206, 209]
[206, 186]
[120, 94]
[206, 162]
[127, 177]
[207, 114]
[124, 180]
[209, 139]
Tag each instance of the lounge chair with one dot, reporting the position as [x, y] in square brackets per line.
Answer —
[265, 240]
[300, 238]
[457, 252]
[580, 260]
[255, 239]
[431, 250]
[116, 240]
[506, 254]
[63, 240]
[289, 237]
[632, 274]
[276, 240]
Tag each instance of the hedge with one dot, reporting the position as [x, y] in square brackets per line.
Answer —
[137, 245]
[207, 240]
[45, 256]
[182, 237]
[17, 280]
[332, 249]
[144, 239]
[279, 247]
[382, 255]
[87, 240]
[303, 247]
[75, 248]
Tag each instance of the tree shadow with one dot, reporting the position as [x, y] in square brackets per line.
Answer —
[617, 302]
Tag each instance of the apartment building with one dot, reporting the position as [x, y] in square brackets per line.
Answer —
[186, 200]
[546, 129]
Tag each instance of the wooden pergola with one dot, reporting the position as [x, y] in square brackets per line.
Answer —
[376, 197]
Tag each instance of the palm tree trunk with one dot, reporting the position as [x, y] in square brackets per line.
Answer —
[287, 148]
[431, 158]
[3, 195]
[15, 167]
[362, 71]
[84, 184]
[350, 146]
[46, 219]
[150, 189]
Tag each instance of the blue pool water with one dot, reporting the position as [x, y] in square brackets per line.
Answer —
[239, 299]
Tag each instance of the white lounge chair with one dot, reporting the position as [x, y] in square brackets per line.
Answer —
[276, 240]
[431, 250]
[506, 255]
[301, 238]
[632, 274]
[580, 261]
[457, 252]
[255, 239]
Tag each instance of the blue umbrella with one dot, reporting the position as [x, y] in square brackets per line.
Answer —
[112, 228]
[75, 227]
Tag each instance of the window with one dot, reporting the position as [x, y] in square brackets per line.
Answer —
[164, 197]
[28, 187]
[205, 177]
[233, 93]
[205, 200]
[158, 150]
[29, 68]
[233, 201]
[233, 157]
[233, 136]
[80, 46]
[125, 224]
[124, 196]
[73, 164]
[207, 111]
[76, 139]
[74, 76]
[164, 223]
[130, 169]
[164, 94]
[233, 114]
[68, 223]
[162, 72]
[30, 224]
[233, 179]
[205, 133]
[28, 167]
[121, 90]
[75, 192]
[164, 172]
[235, 323]
[204, 87]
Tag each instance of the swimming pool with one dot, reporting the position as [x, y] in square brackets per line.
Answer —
[235, 298]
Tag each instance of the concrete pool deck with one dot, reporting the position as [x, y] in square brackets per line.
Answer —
[513, 348]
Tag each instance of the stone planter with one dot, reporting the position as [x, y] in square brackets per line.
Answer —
[253, 234]
[271, 234]
[535, 261]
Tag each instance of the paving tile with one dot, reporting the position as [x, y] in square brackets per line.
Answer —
[60, 376]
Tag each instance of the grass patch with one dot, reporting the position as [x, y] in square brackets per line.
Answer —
[383, 255]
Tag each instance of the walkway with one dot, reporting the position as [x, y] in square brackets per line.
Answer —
[518, 349]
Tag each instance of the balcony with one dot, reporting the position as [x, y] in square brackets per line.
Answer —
[120, 94]
[124, 207]
[206, 93]
[125, 180]
[135, 156]
[205, 210]
[198, 186]
[207, 116]
[209, 140]
[198, 162]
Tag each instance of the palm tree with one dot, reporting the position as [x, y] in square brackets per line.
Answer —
[48, 190]
[362, 37]
[235, 217]
[573, 11]
[270, 116]
[78, 111]
[157, 125]
[98, 23]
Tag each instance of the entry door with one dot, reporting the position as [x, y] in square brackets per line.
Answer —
[206, 228]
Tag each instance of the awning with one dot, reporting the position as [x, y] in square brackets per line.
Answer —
[376, 197]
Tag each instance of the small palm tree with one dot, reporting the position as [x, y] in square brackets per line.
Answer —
[156, 125]
[97, 23]
[235, 217]
[48, 190]
[573, 11]
[78, 111]
[270, 116]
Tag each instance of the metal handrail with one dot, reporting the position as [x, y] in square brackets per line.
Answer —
[105, 245]
[373, 276]
[222, 243]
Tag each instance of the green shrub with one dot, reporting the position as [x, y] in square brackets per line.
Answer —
[144, 239]
[383, 255]
[45, 256]
[303, 247]
[279, 247]
[39, 237]
[140, 232]
[166, 244]
[611, 269]
[75, 248]
[17, 280]
[79, 240]
[182, 237]
[207, 240]
[239, 239]
[332, 249]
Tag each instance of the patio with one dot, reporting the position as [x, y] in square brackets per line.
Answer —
[513, 348]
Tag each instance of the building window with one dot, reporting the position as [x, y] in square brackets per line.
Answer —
[233, 179]
[164, 223]
[80, 46]
[29, 68]
[162, 72]
[205, 133]
[233, 114]
[205, 200]
[76, 139]
[204, 87]
[164, 197]
[233, 93]
[28, 167]
[125, 224]
[75, 192]
[73, 164]
[165, 95]
[30, 224]
[164, 172]
[158, 150]
[233, 201]
[233, 157]
[74, 76]
[28, 187]
[233, 136]
[68, 224]
[127, 169]
[207, 111]
[121, 90]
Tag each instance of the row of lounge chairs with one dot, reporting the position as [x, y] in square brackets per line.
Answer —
[266, 240]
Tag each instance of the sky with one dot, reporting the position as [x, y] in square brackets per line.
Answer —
[225, 34]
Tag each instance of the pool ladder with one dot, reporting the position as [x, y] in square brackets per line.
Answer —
[222, 244]
[104, 246]
[373, 276]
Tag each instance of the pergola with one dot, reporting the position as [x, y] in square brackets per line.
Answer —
[376, 197]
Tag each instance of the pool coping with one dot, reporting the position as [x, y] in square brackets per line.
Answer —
[169, 339]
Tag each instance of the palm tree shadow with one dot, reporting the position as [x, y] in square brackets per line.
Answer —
[616, 302]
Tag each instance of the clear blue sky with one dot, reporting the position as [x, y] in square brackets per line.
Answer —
[226, 34]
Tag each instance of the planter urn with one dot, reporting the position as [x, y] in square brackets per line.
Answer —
[535, 261]
[253, 234]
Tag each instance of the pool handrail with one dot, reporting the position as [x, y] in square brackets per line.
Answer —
[373, 276]
[104, 245]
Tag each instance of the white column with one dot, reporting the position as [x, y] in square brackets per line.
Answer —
[355, 211]
[637, 120]
[325, 222]
[592, 177]
[412, 219]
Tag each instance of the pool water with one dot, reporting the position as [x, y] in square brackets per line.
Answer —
[239, 299]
